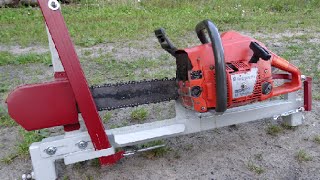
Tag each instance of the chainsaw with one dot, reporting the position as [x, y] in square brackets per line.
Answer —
[226, 80]
[232, 70]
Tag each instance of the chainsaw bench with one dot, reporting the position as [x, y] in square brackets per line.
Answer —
[227, 80]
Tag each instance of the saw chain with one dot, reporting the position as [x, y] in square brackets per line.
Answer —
[134, 93]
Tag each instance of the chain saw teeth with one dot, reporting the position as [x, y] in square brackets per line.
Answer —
[134, 93]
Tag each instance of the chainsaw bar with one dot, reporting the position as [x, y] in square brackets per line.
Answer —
[134, 93]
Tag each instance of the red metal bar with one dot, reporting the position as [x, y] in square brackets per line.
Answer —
[307, 92]
[78, 82]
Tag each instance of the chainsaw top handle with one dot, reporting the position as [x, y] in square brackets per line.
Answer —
[220, 67]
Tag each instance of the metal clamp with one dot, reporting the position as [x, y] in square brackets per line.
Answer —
[300, 109]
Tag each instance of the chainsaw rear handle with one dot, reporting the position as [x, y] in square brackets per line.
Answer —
[220, 67]
[295, 83]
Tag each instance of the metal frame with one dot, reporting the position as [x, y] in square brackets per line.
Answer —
[76, 145]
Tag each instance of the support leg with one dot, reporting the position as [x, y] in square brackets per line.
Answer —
[295, 119]
[44, 168]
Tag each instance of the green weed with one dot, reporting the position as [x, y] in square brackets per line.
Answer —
[107, 117]
[139, 114]
[274, 130]
[66, 177]
[9, 159]
[5, 120]
[28, 137]
[255, 168]
[95, 162]
[317, 139]
[302, 156]
[22, 148]
[155, 153]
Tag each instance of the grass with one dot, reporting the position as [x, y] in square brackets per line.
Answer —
[22, 148]
[6, 58]
[292, 51]
[139, 114]
[5, 120]
[9, 158]
[255, 168]
[95, 21]
[155, 153]
[28, 137]
[274, 130]
[66, 177]
[114, 126]
[132, 70]
[107, 117]
[317, 139]
[302, 156]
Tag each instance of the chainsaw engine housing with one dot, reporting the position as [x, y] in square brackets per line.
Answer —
[246, 82]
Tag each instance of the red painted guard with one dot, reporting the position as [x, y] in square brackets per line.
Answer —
[78, 82]
[43, 105]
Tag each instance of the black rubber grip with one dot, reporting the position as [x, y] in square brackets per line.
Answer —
[220, 67]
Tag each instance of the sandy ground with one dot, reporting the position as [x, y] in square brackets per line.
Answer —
[223, 153]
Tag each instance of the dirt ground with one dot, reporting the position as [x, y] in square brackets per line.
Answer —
[235, 152]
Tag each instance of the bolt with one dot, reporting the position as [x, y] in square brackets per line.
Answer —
[51, 150]
[266, 70]
[203, 108]
[82, 144]
[53, 4]
[211, 67]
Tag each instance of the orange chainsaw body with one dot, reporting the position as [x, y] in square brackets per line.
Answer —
[245, 80]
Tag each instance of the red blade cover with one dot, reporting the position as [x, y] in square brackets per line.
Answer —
[38, 106]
